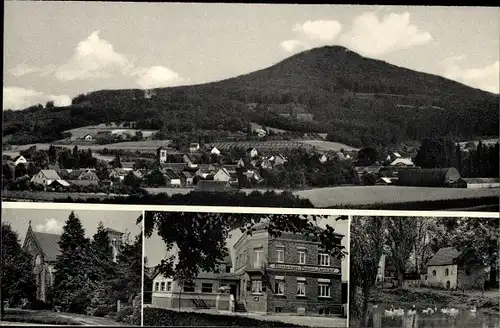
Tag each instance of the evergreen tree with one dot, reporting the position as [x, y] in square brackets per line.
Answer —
[18, 279]
[73, 268]
[102, 255]
[52, 154]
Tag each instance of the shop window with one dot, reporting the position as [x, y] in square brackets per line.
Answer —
[256, 286]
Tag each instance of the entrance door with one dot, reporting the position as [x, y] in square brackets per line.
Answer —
[233, 291]
[448, 284]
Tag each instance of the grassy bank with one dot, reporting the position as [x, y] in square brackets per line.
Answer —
[429, 297]
[164, 317]
[38, 317]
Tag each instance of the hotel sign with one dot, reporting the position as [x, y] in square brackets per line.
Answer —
[301, 268]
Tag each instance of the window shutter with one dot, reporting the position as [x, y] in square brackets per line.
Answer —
[319, 259]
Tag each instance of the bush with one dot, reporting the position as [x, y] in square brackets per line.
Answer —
[124, 312]
[164, 317]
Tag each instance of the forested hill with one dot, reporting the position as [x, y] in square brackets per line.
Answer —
[357, 100]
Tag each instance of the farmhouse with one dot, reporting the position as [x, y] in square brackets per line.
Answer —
[446, 270]
[289, 274]
[207, 290]
[222, 175]
[252, 152]
[384, 181]
[45, 177]
[279, 160]
[20, 160]
[187, 177]
[402, 162]
[44, 248]
[477, 183]
[444, 177]
[322, 158]
[194, 147]
[118, 174]
[214, 151]
[172, 178]
[88, 137]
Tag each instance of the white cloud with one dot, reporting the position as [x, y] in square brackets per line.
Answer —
[96, 58]
[50, 226]
[322, 30]
[19, 98]
[485, 78]
[93, 58]
[292, 45]
[312, 34]
[23, 69]
[373, 37]
[157, 76]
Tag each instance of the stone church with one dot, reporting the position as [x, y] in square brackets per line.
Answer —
[44, 248]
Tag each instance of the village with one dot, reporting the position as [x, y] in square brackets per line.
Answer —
[230, 167]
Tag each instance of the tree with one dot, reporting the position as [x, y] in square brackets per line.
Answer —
[117, 162]
[156, 179]
[367, 156]
[101, 254]
[367, 238]
[20, 170]
[49, 104]
[127, 283]
[132, 180]
[73, 268]
[7, 173]
[201, 237]
[18, 279]
[66, 135]
[401, 236]
[52, 153]
[477, 239]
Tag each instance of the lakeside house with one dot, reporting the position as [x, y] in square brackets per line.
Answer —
[447, 270]
[287, 274]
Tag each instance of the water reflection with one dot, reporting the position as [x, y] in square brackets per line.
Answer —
[461, 319]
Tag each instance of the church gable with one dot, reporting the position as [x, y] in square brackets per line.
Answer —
[45, 244]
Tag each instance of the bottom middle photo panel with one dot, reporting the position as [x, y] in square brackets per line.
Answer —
[227, 269]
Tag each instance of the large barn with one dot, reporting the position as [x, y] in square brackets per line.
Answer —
[440, 177]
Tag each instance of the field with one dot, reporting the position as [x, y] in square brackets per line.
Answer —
[281, 145]
[328, 145]
[365, 195]
[46, 196]
[94, 129]
[145, 145]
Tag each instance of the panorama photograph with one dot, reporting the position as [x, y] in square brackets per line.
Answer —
[275, 105]
[424, 272]
[64, 267]
[255, 270]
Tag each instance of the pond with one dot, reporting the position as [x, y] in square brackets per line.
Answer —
[461, 318]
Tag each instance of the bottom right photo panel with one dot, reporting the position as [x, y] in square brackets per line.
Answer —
[423, 272]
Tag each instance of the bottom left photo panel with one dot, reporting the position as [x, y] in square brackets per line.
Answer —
[71, 267]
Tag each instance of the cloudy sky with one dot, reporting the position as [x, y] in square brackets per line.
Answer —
[154, 248]
[52, 221]
[57, 50]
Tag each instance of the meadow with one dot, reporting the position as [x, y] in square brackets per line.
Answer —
[365, 195]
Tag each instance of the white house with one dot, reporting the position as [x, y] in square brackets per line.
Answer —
[222, 175]
[20, 160]
[215, 151]
[45, 177]
[88, 137]
[194, 147]
[400, 161]
[322, 158]
[252, 152]
[261, 133]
